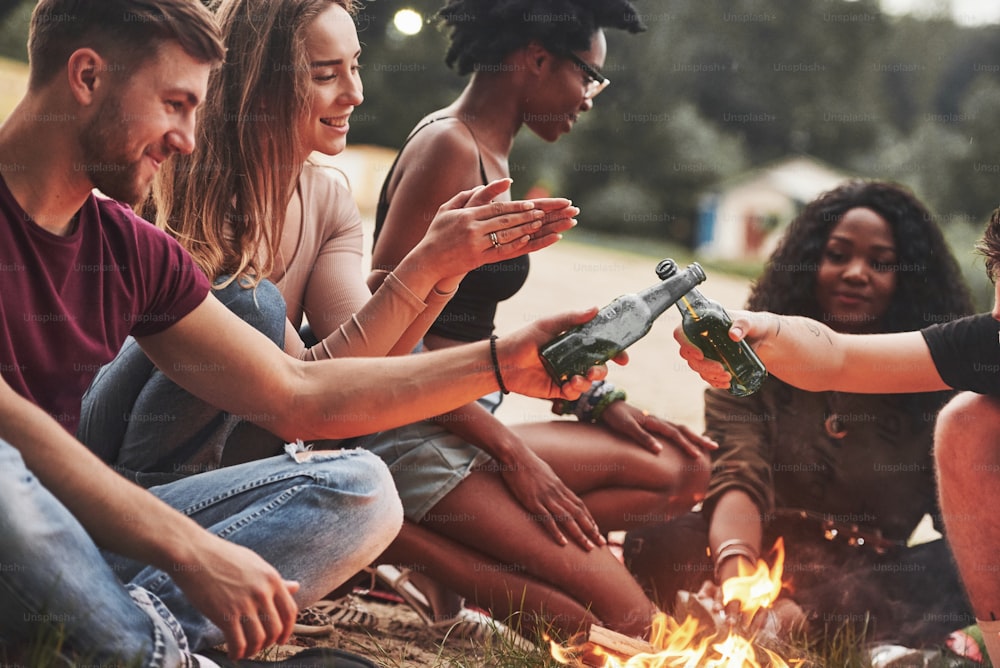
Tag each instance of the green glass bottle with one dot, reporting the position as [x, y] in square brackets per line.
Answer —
[619, 324]
[706, 324]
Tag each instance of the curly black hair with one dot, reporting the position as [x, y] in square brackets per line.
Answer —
[483, 32]
[929, 286]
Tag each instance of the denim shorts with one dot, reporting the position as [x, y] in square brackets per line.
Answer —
[427, 461]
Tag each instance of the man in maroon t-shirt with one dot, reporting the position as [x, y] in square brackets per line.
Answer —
[113, 90]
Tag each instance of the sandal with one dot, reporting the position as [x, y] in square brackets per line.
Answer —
[312, 622]
[466, 624]
[348, 613]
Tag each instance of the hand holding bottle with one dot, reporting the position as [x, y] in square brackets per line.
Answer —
[727, 330]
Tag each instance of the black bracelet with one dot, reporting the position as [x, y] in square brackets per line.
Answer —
[496, 364]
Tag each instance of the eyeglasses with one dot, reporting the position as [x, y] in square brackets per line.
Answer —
[596, 81]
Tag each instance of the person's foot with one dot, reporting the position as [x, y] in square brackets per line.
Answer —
[310, 658]
[312, 622]
[347, 613]
[457, 623]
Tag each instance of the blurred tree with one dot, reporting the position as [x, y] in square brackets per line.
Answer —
[14, 18]
[977, 56]
[712, 88]
[973, 191]
[404, 75]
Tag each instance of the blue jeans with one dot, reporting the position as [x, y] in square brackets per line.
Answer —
[318, 522]
[153, 430]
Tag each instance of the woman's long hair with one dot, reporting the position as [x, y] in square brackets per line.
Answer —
[226, 201]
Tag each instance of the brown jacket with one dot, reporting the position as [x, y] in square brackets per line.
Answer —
[780, 446]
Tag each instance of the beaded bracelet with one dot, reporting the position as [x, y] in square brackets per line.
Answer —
[606, 400]
[591, 404]
[579, 406]
[571, 406]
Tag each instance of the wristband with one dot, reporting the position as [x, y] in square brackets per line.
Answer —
[591, 404]
[734, 548]
[496, 364]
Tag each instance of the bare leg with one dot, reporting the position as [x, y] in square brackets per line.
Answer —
[623, 485]
[481, 512]
[515, 560]
[967, 453]
[509, 594]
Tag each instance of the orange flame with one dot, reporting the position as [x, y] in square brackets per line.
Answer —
[758, 588]
[691, 644]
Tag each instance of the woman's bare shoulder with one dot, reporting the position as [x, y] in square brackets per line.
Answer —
[441, 136]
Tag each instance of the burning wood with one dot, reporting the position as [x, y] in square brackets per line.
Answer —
[711, 635]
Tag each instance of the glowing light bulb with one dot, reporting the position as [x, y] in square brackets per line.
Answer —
[408, 21]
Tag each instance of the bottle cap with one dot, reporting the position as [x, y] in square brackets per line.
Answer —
[666, 268]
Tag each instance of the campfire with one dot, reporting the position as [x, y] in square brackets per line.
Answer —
[707, 638]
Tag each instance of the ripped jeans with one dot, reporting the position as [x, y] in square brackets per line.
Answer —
[318, 522]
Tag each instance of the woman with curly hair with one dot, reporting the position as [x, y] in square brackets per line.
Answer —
[535, 496]
[843, 478]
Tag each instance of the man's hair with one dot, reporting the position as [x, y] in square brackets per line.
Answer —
[989, 246]
[483, 32]
[126, 32]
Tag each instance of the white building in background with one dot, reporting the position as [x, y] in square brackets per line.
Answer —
[743, 217]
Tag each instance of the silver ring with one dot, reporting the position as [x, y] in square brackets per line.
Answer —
[493, 238]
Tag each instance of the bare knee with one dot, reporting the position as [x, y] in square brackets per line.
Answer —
[966, 436]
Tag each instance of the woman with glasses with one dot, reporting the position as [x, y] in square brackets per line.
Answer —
[539, 496]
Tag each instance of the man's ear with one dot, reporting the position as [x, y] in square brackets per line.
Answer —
[85, 70]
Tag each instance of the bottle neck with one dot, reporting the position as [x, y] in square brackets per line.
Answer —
[692, 303]
[667, 292]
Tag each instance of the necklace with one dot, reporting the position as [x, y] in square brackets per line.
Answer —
[833, 424]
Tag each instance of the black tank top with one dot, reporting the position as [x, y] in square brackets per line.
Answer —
[470, 313]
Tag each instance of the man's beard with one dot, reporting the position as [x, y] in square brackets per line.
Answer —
[104, 143]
